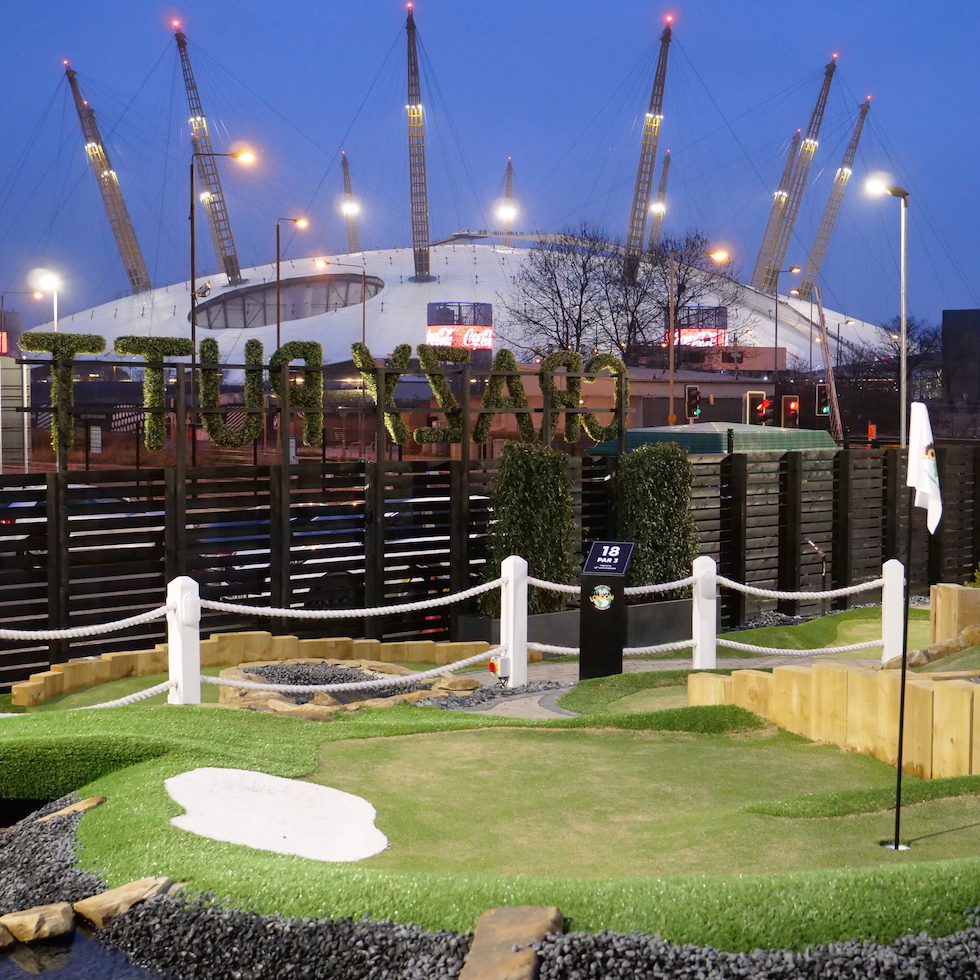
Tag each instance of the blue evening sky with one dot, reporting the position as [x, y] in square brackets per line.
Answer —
[559, 86]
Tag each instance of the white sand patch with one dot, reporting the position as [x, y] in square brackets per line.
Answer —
[275, 814]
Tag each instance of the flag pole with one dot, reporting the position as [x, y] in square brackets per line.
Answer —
[897, 845]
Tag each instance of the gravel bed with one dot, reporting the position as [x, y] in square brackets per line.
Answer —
[485, 695]
[37, 861]
[191, 937]
[331, 674]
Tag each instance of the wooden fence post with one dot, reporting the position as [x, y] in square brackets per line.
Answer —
[734, 472]
[790, 531]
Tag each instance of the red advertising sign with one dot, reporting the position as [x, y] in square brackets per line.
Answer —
[475, 338]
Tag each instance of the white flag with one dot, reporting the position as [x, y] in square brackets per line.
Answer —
[922, 471]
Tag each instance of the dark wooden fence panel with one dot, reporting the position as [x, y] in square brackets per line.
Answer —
[816, 524]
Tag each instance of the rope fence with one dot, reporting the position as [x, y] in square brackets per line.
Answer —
[184, 605]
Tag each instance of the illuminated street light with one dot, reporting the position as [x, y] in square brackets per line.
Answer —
[775, 318]
[44, 281]
[299, 223]
[878, 187]
[718, 256]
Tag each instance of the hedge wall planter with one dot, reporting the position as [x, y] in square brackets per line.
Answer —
[647, 624]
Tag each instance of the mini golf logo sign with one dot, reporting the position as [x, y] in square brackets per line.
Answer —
[602, 597]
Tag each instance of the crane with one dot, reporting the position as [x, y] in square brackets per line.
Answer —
[115, 206]
[350, 209]
[416, 158]
[212, 196]
[794, 194]
[843, 175]
[659, 205]
[778, 203]
[508, 212]
[648, 156]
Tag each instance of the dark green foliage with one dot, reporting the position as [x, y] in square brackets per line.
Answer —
[46, 768]
[591, 424]
[154, 349]
[533, 517]
[61, 347]
[306, 395]
[653, 487]
[846, 803]
[504, 364]
[364, 361]
[570, 397]
[219, 432]
[430, 360]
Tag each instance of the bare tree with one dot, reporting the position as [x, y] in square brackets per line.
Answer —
[577, 292]
[881, 357]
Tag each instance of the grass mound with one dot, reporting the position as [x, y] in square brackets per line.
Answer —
[48, 767]
[850, 802]
[968, 659]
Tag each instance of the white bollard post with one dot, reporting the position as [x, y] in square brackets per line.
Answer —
[704, 617]
[513, 618]
[892, 609]
[184, 640]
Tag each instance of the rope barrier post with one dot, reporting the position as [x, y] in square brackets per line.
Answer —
[704, 617]
[513, 618]
[892, 609]
[184, 640]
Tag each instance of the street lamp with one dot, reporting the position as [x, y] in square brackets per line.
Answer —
[844, 323]
[299, 223]
[717, 256]
[242, 156]
[45, 281]
[775, 319]
[880, 187]
[322, 264]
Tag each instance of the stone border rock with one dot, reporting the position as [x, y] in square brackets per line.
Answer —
[967, 637]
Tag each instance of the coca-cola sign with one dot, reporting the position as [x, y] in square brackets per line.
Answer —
[474, 338]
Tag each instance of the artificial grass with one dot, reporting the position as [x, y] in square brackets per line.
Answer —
[130, 836]
[847, 803]
[591, 696]
[968, 659]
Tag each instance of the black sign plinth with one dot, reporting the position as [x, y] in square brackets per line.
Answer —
[602, 626]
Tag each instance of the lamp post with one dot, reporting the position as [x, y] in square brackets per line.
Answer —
[299, 223]
[843, 323]
[717, 256]
[322, 264]
[242, 156]
[879, 187]
[24, 375]
[775, 320]
[47, 282]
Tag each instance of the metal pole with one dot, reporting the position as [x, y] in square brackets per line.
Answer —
[278, 287]
[361, 435]
[193, 269]
[54, 301]
[775, 328]
[904, 332]
[672, 314]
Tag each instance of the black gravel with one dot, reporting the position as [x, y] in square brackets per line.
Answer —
[196, 938]
[485, 695]
[331, 674]
[37, 862]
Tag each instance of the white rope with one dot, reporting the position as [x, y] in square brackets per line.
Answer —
[773, 594]
[778, 652]
[352, 685]
[659, 648]
[548, 648]
[79, 631]
[131, 698]
[663, 587]
[272, 611]
[554, 586]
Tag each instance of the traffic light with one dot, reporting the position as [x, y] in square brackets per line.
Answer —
[790, 417]
[823, 400]
[758, 408]
[692, 401]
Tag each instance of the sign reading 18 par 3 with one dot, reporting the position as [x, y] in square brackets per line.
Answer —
[608, 558]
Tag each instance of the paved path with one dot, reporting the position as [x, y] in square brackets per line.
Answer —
[566, 674]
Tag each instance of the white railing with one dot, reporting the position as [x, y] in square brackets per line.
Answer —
[184, 604]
